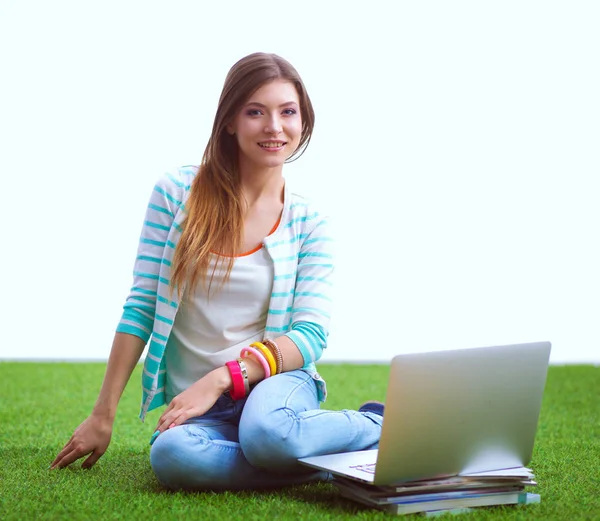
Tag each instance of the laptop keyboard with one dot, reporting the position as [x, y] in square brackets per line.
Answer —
[369, 468]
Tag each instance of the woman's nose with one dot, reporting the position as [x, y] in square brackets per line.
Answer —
[273, 126]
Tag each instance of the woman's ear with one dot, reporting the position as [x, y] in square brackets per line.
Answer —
[230, 129]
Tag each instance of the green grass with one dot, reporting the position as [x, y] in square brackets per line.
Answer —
[41, 404]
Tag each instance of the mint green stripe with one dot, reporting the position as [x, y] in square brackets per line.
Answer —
[311, 310]
[319, 239]
[132, 330]
[316, 279]
[278, 243]
[157, 349]
[279, 311]
[150, 224]
[160, 345]
[157, 401]
[167, 195]
[302, 219]
[315, 254]
[143, 299]
[167, 301]
[175, 180]
[164, 319]
[287, 276]
[180, 184]
[298, 339]
[151, 366]
[296, 238]
[134, 306]
[305, 350]
[311, 336]
[159, 337]
[144, 291]
[160, 209]
[282, 293]
[313, 340]
[321, 264]
[151, 276]
[313, 330]
[299, 237]
[144, 322]
[276, 329]
[143, 240]
[148, 258]
[312, 294]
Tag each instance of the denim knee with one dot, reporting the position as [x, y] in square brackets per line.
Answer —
[176, 463]
[272, 441]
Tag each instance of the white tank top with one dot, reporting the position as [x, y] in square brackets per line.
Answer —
[208, 332]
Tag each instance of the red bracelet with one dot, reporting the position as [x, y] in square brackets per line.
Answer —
[238, 391]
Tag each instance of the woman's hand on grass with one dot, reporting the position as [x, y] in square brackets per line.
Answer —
[196, 400]
[91, 437]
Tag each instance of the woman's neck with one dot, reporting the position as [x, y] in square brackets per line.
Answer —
[262, 184]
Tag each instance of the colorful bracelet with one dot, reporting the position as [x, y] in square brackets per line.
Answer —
[259, 358]
[244, 370]
[267, 354]
[237, 379]
[274, 348]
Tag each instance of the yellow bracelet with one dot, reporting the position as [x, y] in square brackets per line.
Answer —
[268, 356]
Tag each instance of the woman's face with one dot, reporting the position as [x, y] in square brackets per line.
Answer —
[269, 125]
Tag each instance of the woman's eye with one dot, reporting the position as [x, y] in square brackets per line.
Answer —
[289, 112]
[254, 112]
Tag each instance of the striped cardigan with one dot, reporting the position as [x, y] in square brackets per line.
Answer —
[300, 301]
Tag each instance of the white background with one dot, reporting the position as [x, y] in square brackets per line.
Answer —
[456, 148]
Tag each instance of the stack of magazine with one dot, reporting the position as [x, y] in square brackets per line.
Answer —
[437, 496]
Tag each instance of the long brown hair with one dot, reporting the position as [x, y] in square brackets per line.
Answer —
[215, 208]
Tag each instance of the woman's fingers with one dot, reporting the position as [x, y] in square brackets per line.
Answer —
[92, 459]
[66, 449]
[91, 437]
[185, 415]
[66, 457]
[174, 415]
[162, 422]
[167, 421]
[174, 418]
[166, 414]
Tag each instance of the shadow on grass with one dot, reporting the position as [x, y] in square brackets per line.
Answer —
[320, 496]
[324, 495]
[25, 470]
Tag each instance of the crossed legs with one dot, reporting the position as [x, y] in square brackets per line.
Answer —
[254, 443]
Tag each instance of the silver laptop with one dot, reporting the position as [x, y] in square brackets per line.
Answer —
[453, 412]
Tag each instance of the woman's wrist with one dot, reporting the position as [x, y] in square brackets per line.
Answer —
[222, 378]
[103, 413]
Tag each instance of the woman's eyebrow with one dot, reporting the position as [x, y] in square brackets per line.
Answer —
[287, 103]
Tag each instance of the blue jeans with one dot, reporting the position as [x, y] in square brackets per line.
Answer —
[254, 443]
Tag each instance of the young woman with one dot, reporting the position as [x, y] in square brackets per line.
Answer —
[232, 289]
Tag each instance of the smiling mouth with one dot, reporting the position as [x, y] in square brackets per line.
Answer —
[272, 144]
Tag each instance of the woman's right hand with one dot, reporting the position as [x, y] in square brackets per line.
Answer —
[91, 437]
